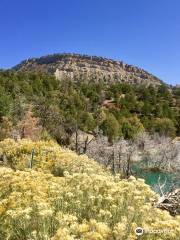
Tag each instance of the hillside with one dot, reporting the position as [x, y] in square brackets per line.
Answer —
[49, 193]
[62, 107]
[88, 68]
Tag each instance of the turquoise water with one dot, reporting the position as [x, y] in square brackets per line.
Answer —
[151, 178]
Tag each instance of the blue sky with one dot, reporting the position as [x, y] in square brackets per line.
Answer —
[145, 33]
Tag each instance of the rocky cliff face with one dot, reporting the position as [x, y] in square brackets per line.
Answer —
[88, 68]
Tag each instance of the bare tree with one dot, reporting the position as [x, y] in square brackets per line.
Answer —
[158, 152]
[80, 141]
[118, 156]
[150, 151]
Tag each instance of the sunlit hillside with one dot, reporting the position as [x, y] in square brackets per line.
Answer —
[51, 193]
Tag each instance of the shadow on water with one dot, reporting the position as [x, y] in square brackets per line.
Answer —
[153, 178]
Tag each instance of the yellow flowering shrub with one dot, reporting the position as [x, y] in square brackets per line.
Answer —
[87, 230]
[48, 156]
[87, 205]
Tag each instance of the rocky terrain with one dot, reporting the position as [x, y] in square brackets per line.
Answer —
[88, 68]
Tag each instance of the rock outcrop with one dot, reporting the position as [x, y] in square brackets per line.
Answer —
[88, 68]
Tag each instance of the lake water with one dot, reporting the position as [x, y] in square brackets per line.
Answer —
[151, 178]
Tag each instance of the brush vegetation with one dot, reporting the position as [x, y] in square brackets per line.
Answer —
[61, 195]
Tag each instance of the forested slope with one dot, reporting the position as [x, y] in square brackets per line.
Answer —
[61, 107]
